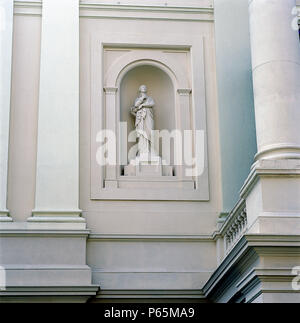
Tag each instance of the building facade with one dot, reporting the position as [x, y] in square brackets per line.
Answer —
[219, 221]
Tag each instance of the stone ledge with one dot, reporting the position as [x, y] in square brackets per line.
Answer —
[268, 167]
[150, 237]
[48, 294]
[189, 295]
[206, 7]
[243, 257]
[42, 233]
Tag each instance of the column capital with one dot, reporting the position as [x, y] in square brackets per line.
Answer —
[184, 92]
[110, 90]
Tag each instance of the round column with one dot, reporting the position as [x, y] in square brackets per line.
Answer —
[276, 78]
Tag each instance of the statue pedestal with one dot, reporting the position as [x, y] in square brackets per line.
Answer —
[143, 166]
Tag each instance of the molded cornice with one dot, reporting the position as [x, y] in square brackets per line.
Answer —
[93, 9]
[284, 167]
[136, 237]
[244, 256]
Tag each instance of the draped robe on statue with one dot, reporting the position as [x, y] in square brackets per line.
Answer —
[144, 123]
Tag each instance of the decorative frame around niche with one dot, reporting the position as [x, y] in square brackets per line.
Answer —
[107, 182]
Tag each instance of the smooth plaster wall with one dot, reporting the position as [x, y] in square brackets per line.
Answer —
[235, 95]
[146, 217]
[24, 113]
[140, 261]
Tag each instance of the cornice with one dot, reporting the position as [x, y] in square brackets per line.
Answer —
[240, 249]
[23, 232]
[246, 251]
[92, 9]
[146, 294]
[270, 168]
[43, 233]
[144, 8]
[44, 291]
[135, 237]
[167, 5]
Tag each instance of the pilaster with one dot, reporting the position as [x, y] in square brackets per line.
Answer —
[6, 28]
[57, 179]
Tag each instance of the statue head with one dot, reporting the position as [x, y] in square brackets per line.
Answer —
[143, 89]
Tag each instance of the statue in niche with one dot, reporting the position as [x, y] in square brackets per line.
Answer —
[147, 162]
[144, 124]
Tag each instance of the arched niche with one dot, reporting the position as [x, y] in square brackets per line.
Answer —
[111, 71]
[160, 88]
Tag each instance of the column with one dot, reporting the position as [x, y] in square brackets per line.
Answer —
[276, 78]
[57, 180]
[6, 27]
[110, 124]
[185, 124]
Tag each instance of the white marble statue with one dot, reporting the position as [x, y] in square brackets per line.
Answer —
[144, 123]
